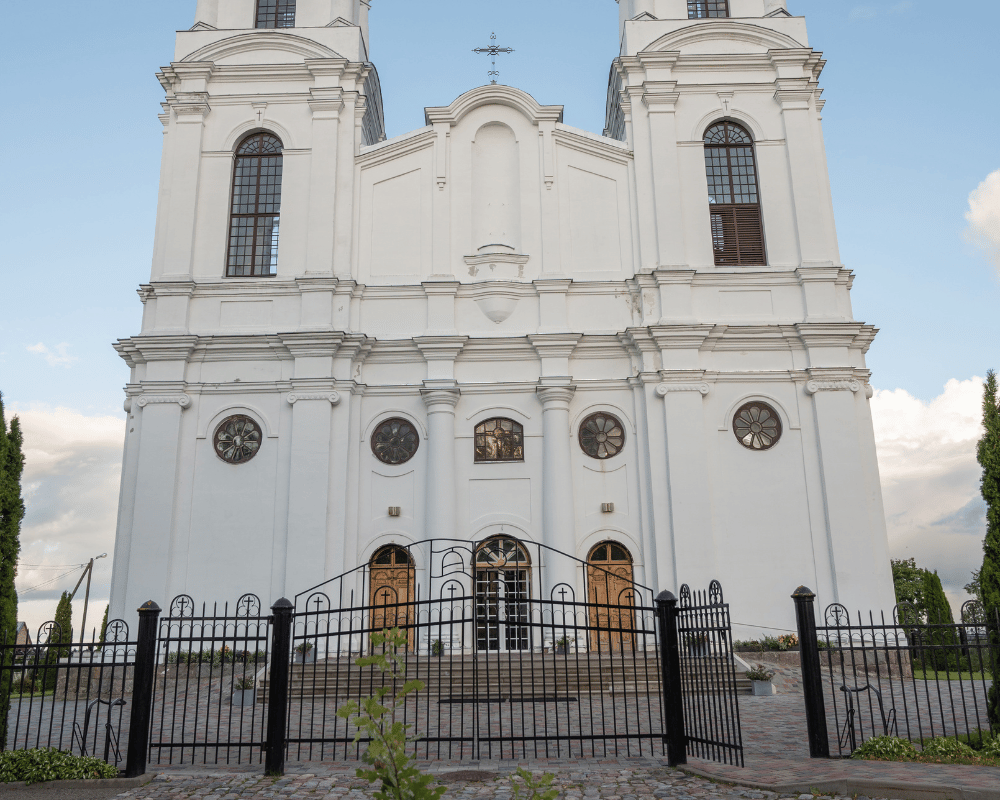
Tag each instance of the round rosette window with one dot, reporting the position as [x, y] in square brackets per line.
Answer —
[602, 436]
[395, 441]
[237, 439]
[757, 426]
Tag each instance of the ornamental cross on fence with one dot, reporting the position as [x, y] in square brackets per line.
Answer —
[493, 51]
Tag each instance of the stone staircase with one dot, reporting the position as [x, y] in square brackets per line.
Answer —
[509, 676]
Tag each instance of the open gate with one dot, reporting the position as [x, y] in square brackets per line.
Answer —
[511, 667]
[707, 675]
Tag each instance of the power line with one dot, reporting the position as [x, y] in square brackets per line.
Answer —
[50, 566]
[52, 580]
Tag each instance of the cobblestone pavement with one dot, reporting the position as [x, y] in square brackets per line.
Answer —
[614, 780]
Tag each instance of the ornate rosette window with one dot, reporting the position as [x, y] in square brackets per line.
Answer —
[237, 439]
[757, 426]
[602, 436]
[395, 441]
[499, 440]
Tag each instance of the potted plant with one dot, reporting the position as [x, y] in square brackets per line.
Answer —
[697, 644]
[562, 645]
[437, 648]
[760, 680]
[244, 692]
[304, 653]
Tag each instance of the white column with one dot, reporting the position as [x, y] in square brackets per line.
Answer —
[857, 541]
[326, 105]
[440, 397]
[690, 482]
[558, 522]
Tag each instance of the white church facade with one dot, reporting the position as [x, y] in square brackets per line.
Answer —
[633, 347]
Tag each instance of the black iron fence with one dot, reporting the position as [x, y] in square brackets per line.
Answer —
[506, 675]
[909, 676]
[211, 673]
[71, 695]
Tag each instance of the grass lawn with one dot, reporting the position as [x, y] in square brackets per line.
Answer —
[931, 675]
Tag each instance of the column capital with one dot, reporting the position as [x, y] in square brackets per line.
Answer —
[833, 380]
[440, 395]
[555, 392]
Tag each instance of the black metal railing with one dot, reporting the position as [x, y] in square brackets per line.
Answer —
[70, 695]
[909, 676]
[556, 678]
[211, 677]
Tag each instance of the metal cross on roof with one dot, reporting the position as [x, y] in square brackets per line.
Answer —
[493, 51]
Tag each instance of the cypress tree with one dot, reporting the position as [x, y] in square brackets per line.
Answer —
[988, 455]
[944, 653]
[104, 625]
[11, 513]
[59, 640]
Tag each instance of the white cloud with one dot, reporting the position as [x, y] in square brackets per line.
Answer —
[983, 217]
[70, 488]
[930, 479]
[59, 357]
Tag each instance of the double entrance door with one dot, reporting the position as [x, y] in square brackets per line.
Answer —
[503, 589]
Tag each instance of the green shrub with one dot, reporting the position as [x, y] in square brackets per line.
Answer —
[948, 748]
[991, 748]
[376, 719]
[535, 789]
[886, 748]
[36, 766]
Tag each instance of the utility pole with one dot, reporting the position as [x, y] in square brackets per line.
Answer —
[88, 571]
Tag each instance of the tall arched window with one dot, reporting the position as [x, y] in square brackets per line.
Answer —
[702, 9]
[737, 228]
[253, 226]
[499, 440]
[275, 13]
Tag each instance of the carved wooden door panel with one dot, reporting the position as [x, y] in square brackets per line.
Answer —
[392, 591]
[609, 586]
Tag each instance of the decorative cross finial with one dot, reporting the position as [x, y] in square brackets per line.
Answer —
[493, 51]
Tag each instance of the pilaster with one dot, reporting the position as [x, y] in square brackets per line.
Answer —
[554, 350]
[441, 397]
[326, 106]
[440, 353]
[558, 518]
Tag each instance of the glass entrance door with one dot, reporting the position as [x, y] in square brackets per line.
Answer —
[503, 588]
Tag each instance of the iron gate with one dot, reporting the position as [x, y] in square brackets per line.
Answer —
[507, 673]
[708, 676]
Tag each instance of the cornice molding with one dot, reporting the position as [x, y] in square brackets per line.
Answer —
[490, 95]
[183, 400]
[295, 397]
[667, 388]
[813, 387]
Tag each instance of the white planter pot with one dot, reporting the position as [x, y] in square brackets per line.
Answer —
[762, 688]
[244, 697]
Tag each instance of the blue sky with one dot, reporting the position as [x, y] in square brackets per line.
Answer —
[910, 127]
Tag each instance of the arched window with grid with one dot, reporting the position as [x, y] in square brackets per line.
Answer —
[499, 439]
[256, 207]
[275, 13]
[703, 9]
[737, 225]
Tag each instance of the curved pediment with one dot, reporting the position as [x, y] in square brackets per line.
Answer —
[494, 95]
[753, 38]
[262, 47]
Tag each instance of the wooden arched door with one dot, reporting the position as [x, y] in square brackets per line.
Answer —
[393, 590]
[611, 596]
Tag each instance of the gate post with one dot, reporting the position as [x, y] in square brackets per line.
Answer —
[670, 665]
[143, 675]
[277, 690]
[812, 679]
